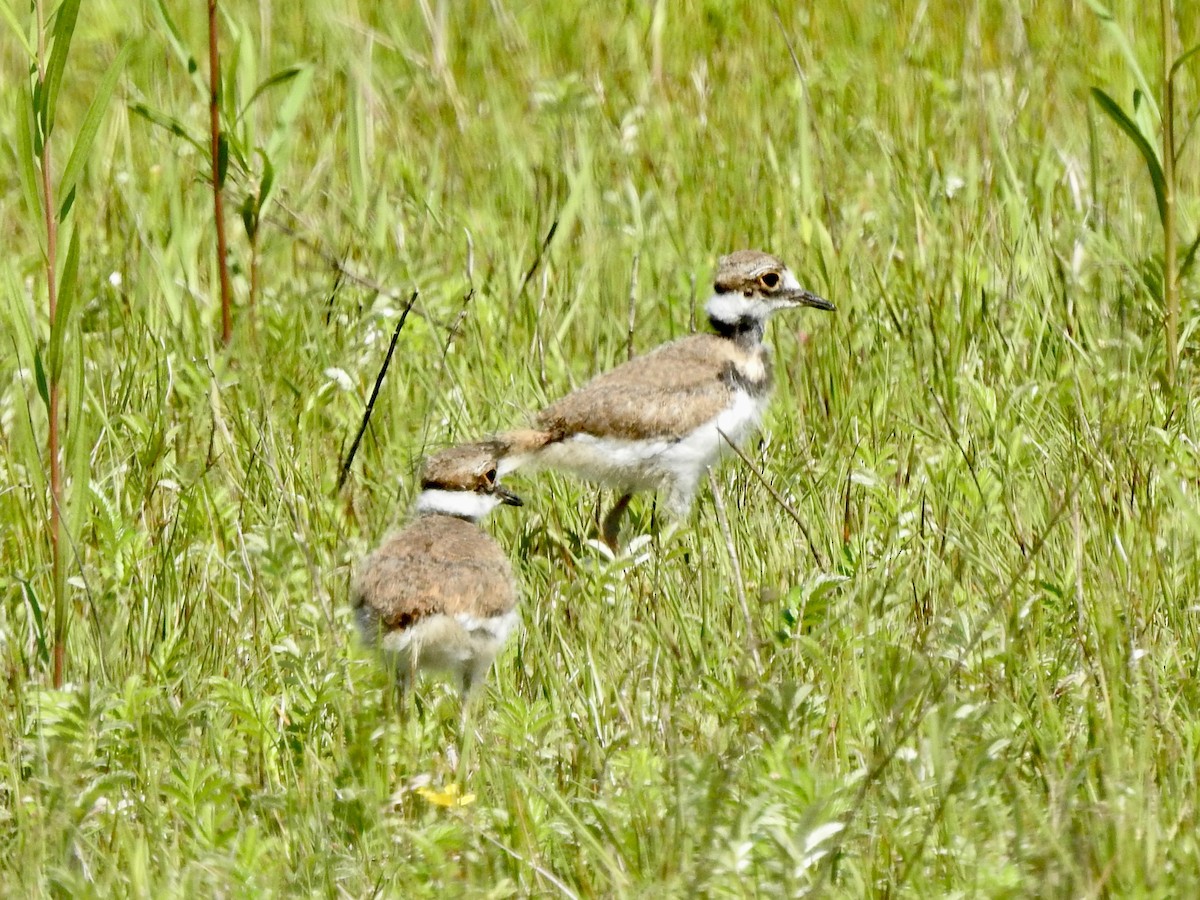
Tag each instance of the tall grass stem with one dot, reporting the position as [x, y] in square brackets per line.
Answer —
[214, 124]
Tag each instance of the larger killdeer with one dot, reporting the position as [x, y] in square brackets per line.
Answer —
[440, 594]
[656, 422]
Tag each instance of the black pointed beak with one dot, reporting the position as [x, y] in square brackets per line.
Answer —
[808, 298]
[507, 496]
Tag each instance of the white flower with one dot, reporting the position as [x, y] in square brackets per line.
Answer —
[340, 377]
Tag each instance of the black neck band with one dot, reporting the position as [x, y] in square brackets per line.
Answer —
[747, 328]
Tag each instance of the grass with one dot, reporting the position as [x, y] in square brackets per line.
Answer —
[989, 687]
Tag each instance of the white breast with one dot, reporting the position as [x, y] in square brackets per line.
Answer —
[672, 466]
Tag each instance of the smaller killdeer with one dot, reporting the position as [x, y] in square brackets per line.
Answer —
[659, 421]
[440, 594]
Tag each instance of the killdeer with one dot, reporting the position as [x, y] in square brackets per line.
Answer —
[656, 422]
[440, 595]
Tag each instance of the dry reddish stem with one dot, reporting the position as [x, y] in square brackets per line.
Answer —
[1170, 239]
[214, 123]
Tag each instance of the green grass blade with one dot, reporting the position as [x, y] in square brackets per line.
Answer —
[1189, 257]
[78, 442]
[90, 126]
[39, 377]
[289, 108]
[26, 165]
[39, 621]
[296, 95]
[67, 292]
[18, 32]
[168, 123]
[268, 180]
[64, 29]
[1182, 60]
[281, 77]
[175, 39]
[1122, 41]
[1145, 148]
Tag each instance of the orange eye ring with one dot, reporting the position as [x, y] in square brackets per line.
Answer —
[769, 280]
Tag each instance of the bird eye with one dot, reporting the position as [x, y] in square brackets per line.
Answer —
[490, 475]
[769, 280]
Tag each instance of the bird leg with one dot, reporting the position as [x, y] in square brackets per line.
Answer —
[610, 529]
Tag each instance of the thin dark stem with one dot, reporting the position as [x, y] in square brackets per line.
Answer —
[343, 270]
[214, 125]
[387, 360]
[537, 260]
[784, 505]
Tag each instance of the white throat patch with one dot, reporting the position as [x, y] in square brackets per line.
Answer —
[735, 306]
[465, 504]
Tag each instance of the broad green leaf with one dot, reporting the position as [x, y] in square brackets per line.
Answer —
[65, 207]
[39, 91]
[249, 214]
[16, 324]
[64, 29]
[281, 77]
[89, 127]
[39, 377]
[268, 180]
[1114, 111]
[1118, 37]
[17, 30]
[67, 292]
[1147, 124]
[26, 162]
[39, 620]
[222, 159]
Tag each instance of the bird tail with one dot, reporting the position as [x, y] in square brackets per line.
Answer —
[520, 447]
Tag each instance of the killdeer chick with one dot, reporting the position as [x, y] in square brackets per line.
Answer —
[656, 422]
[440, 595]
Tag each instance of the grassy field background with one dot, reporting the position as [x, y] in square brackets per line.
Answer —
[980, 680]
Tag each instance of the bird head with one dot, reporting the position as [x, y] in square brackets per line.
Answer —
[749, 286]
[464, 481]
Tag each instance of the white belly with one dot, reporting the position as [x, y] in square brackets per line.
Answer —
[454, 644]
[674, 466]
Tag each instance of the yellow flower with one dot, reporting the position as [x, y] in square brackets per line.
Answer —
[447, 796]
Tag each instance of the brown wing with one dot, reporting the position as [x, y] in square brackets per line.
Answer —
[437, 564]
[664, 394]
